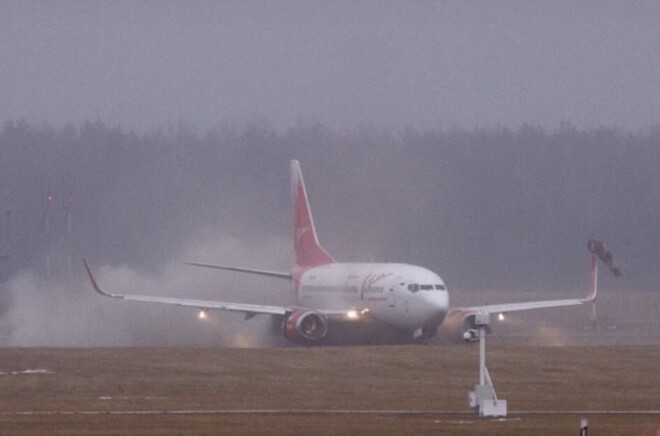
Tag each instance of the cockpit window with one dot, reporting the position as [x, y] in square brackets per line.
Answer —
[416, 287]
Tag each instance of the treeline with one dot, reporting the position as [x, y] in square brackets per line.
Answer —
[486, 208]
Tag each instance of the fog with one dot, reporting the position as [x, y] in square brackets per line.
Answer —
[489, 210]
[386, 64]
[487, 141]
[56, 312]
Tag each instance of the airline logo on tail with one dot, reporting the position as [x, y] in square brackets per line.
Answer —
[309, 252]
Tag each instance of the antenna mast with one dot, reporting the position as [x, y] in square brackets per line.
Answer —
[48, 199]
[68, 212]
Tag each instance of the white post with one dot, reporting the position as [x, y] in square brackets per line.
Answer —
[69, 238]
[47, 231]
[483, 398]
[482, 355]
[584, 427]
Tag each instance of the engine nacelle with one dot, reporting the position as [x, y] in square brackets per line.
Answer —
[471, 335]
[471, 328]
[305, 326]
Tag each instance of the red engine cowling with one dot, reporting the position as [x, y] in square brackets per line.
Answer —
[305, 326]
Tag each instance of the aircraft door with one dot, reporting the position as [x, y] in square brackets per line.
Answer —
[391, 298]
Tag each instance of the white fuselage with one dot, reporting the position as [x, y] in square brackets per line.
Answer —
[405, 296]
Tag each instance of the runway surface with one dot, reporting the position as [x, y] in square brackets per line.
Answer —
[321, 412]
[390, 390]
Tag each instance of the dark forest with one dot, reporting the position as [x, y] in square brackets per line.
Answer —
[497, 208]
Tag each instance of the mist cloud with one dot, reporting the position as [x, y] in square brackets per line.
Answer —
[68, 313]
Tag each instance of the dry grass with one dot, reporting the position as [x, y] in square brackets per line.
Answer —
[432, 378]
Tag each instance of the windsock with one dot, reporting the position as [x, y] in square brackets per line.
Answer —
[598, 248]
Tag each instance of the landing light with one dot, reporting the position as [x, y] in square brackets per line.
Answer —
[202, 315]
[501, 317]
[352, 314]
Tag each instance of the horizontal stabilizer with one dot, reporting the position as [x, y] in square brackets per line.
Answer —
[276, 274]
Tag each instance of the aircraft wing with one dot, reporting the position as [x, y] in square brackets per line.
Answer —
[251, 309]
[516, 307]
[531, 305]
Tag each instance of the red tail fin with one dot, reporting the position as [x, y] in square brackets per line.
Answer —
[307, 248]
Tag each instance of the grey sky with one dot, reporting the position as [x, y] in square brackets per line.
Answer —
[387, 64]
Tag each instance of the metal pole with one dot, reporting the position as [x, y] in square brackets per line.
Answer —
[482, 355]
[8, 232]
[49, 198]
[69, 211]
[584, 427]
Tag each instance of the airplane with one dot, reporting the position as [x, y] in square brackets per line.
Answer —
[384, 302]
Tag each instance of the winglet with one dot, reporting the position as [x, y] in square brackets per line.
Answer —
[593, 286]
[93, 280]
[599, 249]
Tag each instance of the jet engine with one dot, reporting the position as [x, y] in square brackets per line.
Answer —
[305, 327]
[471, 329]
[471, 335]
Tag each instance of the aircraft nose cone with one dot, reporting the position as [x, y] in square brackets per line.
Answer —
[437, 304]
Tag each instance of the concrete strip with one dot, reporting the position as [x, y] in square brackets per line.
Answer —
[322, 412]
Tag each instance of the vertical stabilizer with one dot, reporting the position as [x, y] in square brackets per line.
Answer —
[308, 251]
